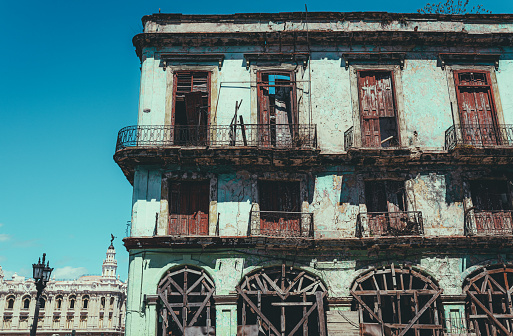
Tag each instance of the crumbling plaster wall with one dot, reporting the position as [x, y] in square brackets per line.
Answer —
[234, 203]
[336, 268]
[315, 25]
[426, 102]
[335, 197]
[145, 201]
[335, 204]
[504, 80]
[423, 91]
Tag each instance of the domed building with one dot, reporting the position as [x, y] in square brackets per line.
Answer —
[90, 305]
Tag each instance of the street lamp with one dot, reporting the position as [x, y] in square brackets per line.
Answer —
[41, 276]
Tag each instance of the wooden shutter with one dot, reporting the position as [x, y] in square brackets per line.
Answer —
[186, 82]
[376, 101]
[475, 104]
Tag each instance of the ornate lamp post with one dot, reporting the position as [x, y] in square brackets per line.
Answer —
[41, 276]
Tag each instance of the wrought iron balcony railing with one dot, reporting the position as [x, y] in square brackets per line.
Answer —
[289, 136]
[348, 139]
[281, 224]
[401, 223]
[479, 135]
[457, 326]
[489, 222]
[349, 142]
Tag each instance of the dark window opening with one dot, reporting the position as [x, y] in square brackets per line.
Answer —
[10, 303]
[191, 107]
[377, 109]
[59, 302]
[72, 303]
[277, 108]
[280, 208]
[189, 207]
[387, 211]
[491, 212]
[490, 195]
[26, 304]
[385, 196]
[42, 303]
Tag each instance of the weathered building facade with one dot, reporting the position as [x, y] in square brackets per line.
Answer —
[90, 305]
[321, 174]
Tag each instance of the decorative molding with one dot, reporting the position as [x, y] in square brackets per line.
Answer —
[151, 299]
[277, 57]
[192, 58]
[230, 299]
[468, 58]
[376, 57]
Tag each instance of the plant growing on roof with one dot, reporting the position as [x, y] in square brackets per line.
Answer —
[452, 7]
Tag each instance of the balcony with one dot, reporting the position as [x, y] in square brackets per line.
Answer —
[488, 222]
[252, 135]
[388, 151]
[478, 136]
[379, 224]
[239, 145]
[281, 224]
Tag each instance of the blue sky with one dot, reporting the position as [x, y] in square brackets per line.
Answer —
[69, 80]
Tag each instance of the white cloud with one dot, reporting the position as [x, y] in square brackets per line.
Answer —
[4, 237]
[69, 272]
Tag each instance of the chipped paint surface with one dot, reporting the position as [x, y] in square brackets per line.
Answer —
[332, 179]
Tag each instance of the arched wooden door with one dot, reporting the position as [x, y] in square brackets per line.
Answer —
[489, 307]
[397, 300]
[281, 301]
[186, 305]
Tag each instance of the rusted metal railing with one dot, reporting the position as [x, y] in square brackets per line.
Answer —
[401, 223]
[457, 325]
[281, 224]
[488, 222]
[479, 135]
[348, 139]
[288, 136]
[188, 225]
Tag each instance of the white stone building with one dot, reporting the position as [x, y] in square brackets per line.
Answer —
[90, 305]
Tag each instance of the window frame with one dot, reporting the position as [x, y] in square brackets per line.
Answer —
[396, 77]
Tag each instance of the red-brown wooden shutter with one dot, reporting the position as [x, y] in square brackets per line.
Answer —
[475, 103]
[376, 100]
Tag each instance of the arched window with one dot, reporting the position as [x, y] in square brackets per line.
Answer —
[102, 303]
[58, 302]
[281, 301]
[10, 302]
[72, 300]
[111, 302]
[397, 300]
[186, 302]
[489, 292]
[42, 303]
[85, 302]
[26, 302]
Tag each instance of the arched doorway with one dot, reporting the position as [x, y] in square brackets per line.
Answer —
[281, 301]
[186, 306]
[397, 300]
[488, 306]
